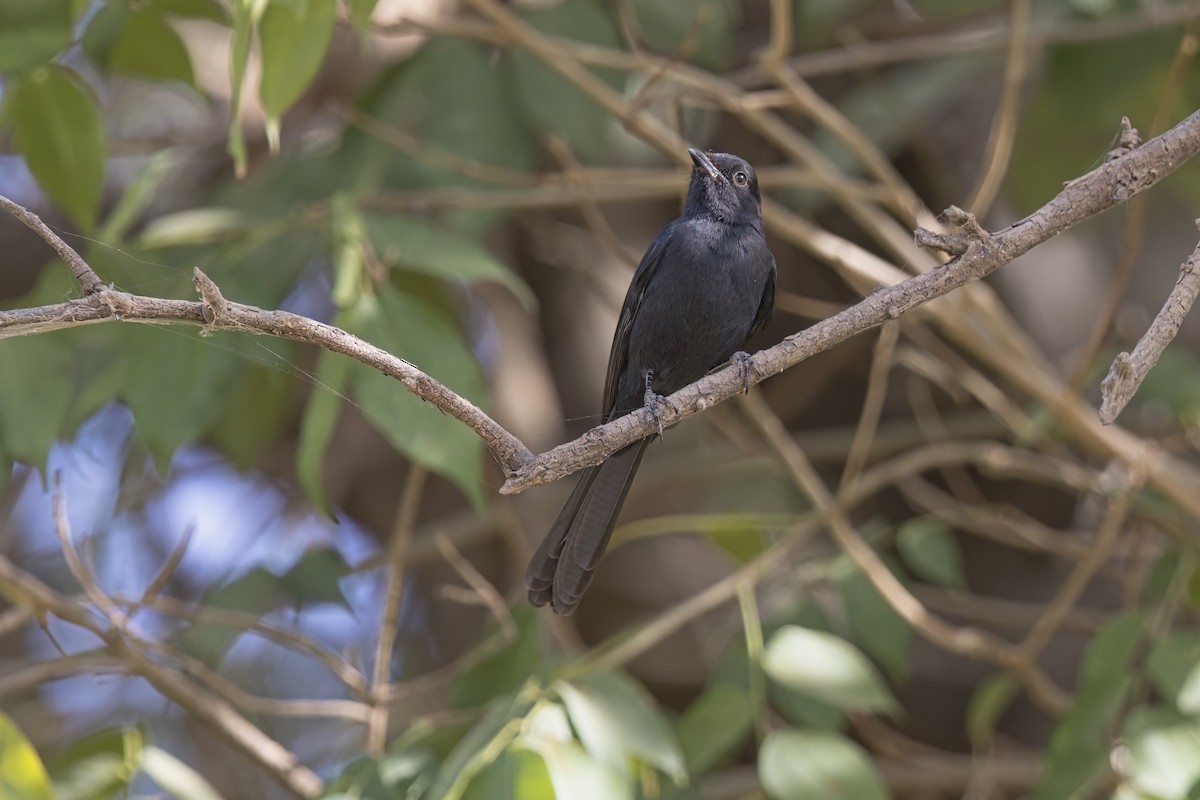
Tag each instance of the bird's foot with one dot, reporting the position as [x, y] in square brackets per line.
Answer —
[653, 402]
[742, 359]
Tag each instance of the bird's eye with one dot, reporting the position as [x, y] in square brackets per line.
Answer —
[740, 178]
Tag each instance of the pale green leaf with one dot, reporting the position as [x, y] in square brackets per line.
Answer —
[421, 247]
[451, 776]
[175, 777]
[929, 548]
[211, 10]
[619, 724]
[32, 32]
[1164, 752]
[246, 14]
[516, 775]
[876, 627]
[32, 418]
[419, 334]
[294, 37]
[825, 667]
[317, 425]
[1174, 666]
[22, 774]
[193, 227]
[573, 773]
[57, 127]
[817, 765]
[97, 766]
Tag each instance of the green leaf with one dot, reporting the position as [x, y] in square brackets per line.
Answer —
[174, 382]
[255, 414]
[813, 765]
[33, 419]
[194, 226]
[714, 727]
[176, 778]
[57, 127]
[32, 32]
[98, 765]
[551, 102]
[424, 248]
[105, 29]
[1078, 754]
[360, 13]
[255, 592]
[695, 30]
[1174, 666]
[466, 753]
[316, 577]
[876, 627]
[1164, 753]
[618, 724]
[990, 700]
[22, 775]
[929, 548]
[515, 775]
[317, 426]
[201, 9]
[414, 331]
[825, 667]
[148, 47]
[573, 773]
[505, 670]
[246, 14]
[294, 36]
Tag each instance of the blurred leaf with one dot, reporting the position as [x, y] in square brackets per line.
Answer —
[98, 765]
[255, 414]
[400, 772]
[315, 578]
[414, 331]
[134, 201]
[194, 226]
[1164, 753]
[500, 713]
[928, 547]
[57, 127]
[173, 383]
[551, 102]
[618, 723]
[360, 13]
[811, 765]
[246, 14]
[989, 702]
[32, 32]
[694, 30]
[33, 418]
[515, 775]
[1078, 752]
[826, 667]
[22, 775]
[149, 47]
[255, 592]
[294, 36]
[420, 247]
[877, 628]
[505, 670]
[1174, 383]
[1174, 666]
[714, 727]
[175, 777]
[573, 773]
[105, 29]
[202, 9]
[318, 423]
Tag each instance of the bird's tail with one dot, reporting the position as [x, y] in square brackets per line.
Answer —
[564, 563]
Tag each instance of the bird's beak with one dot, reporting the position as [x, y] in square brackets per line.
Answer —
[702, 161]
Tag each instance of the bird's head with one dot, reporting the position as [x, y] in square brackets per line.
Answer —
[725, 187]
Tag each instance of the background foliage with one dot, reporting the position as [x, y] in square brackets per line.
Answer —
[409, 172]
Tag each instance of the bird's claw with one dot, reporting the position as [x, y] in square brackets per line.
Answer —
[653, 402]
[742, 359]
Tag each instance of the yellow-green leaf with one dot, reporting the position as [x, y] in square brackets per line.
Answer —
[149, 47]
[22, 774]
[57, 127]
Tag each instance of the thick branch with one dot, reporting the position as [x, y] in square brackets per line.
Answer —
[1130, 369]
[978, 254]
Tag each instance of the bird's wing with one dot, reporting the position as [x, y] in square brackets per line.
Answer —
[766, 305]
[619, 355]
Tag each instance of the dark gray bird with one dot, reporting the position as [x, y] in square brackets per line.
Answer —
[705, 285]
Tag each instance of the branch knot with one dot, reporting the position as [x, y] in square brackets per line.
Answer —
[214, 306]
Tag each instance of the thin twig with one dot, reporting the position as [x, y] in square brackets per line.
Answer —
[1130, 369]
[877, 382]
[88, 280]
[480, 585]
[406, 518]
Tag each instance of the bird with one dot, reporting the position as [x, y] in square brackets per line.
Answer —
[704, 286]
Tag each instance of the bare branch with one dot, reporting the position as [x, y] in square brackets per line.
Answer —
[1130, 369]
[89, 281]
